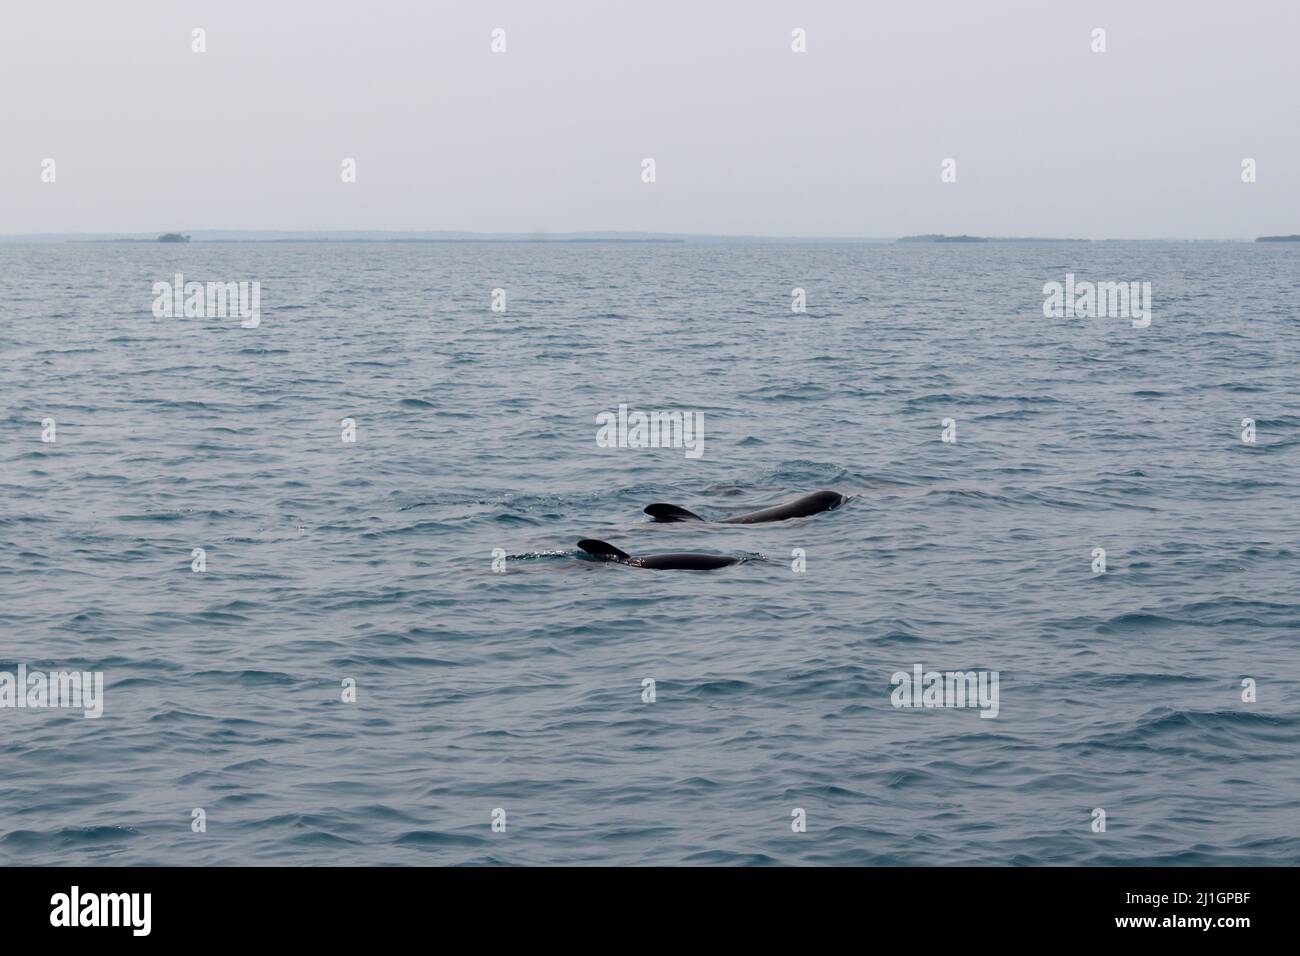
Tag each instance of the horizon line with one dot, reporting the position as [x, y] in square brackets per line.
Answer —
[537, 235]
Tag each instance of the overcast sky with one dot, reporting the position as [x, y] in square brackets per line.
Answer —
[847, 139]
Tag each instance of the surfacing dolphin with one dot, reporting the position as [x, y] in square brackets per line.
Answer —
[800, 508]
[680, 562]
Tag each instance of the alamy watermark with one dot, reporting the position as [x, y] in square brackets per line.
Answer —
[1092, 300]
[922, 688]
[75, 908]
[659, 429]
[76, 690]
[197, 300]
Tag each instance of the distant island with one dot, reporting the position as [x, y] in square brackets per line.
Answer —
[1278, 239]
[173, 237]
[939, 237]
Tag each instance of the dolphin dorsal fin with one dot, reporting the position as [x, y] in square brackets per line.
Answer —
[600, 549]
[662, 512]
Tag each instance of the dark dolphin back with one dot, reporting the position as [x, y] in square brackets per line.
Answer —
[811, 504]
[685, 561]
[800, 508]
[663, 562]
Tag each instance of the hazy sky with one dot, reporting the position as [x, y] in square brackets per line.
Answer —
[1144, 140]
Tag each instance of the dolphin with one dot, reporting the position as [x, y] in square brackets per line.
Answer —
[679, 562]
[799, 508]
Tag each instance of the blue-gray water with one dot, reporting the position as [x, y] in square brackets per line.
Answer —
[476, 430]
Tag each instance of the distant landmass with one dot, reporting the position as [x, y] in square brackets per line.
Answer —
[431, 236]
[1278, 239]
[939, 237]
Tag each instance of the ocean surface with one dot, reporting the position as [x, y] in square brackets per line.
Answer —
[371, 561]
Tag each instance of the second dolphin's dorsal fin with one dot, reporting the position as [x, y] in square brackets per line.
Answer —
[662, 512]
[600, 549]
